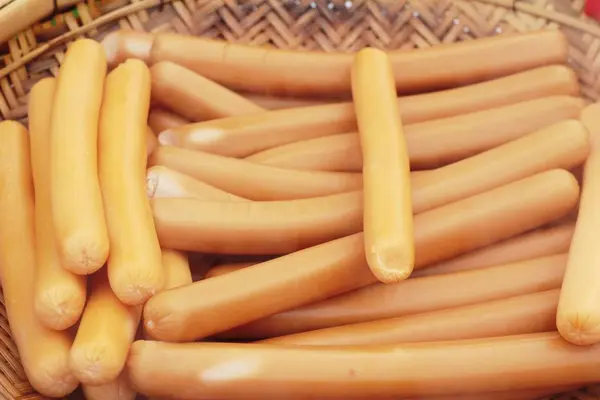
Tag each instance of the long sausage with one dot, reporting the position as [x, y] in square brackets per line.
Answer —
[387, 204]
[165, 182]
[578, 318]
[104, 335]
[254, 181]
[195, 97]
[260, 69]
[124, 44]
[539, 243]
[433, 143]
[134, 266]
[243, 136]
[415, 296]
[44, 353]
[286, 226]
[160, 120]
[77, 212]
[527, 313]
[59, 295]
[242, 371]
[339, 266]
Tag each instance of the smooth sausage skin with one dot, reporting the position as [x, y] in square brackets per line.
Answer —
[134, 265]
[387, 193]
[226, 268]
[44, 353]
[163, 182]
[340, 266]
[77, 211]
[160, 120]
[415, 296]
[242, 136]
[195, 97]
[253, 181]
[59, 295]
[277, 227]
[431, 144]
[578, 318]
[260, 69]
[528, 313]
[242, 371]
[538, 243]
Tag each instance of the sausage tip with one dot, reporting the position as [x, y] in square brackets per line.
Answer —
[168, 138]
[578, 328]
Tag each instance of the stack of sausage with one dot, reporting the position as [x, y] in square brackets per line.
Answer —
[327, 240]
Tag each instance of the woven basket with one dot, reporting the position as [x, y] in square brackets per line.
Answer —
[319, 25]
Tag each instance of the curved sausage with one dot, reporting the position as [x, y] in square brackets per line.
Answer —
[134, 265]
[260, 69]
[195, 97]
[104, 335]
[277, 227]
[578, 318]
[241, 371]
[44, 353]
[431, 144]
[340, 266]
[526, 313]
[59, 295]
[539, 243]
[387, 205]
[415, 296]
[78, 216]
[124, 44]
[245, 135]
[164, 182]
[253, 181]
[160, 120]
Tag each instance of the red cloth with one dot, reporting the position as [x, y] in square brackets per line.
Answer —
[592, 9]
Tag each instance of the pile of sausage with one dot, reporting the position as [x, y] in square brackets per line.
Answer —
[189, 219]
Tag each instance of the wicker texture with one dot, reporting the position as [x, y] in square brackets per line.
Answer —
[342, 25]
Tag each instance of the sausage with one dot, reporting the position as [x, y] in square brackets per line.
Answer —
[527, 313]
[166, 182]
[578, 319]
[415, 296]
[59, 295]
[387, 205]
[195, 97]
[119, 389]
[222, 269]
[151, 142]
[278, 103]
[246, 371]
[177, 269]
[160, 120]
[431, 144]
[242, 136]
[562, 145]
[282, 227]
[105, 333]
[124, 44]
[77, 213]
[44, 353]
[538, 243]
[271, 227]
[340, 266]
[134, 266]
[260, 69]
[254, 181]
